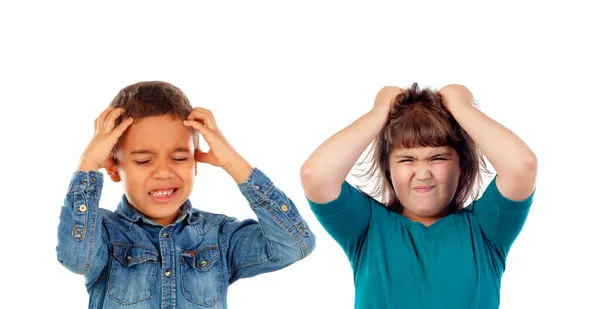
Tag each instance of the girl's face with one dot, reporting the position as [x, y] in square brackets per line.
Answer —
[425, 180]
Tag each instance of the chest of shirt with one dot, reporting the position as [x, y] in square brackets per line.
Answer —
[415, 264]
[145, 265]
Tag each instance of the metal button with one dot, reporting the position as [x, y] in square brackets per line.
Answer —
[168, 273]
[256, 187]
[165, 235]
[129, 257]
[202, 263]
[82, 208]
[285, 208]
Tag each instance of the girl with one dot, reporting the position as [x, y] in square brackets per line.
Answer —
[424, 245]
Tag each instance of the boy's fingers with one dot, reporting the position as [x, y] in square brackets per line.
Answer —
[102, 117]
[111, 118]
[206, 133]
[210, 115]
[118, 131]
[204, 115]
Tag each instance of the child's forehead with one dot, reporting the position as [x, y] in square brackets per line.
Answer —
[162, 132]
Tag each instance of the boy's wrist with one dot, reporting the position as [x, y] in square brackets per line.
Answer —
[239, 169]
[85, 164]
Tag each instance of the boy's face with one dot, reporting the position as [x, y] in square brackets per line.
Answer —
[155, 161]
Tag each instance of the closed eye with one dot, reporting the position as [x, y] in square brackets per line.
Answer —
[180, 159]
[142, 162]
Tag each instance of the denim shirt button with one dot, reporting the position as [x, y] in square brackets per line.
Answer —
[285, 208]
[256, 187]
[165, 235]
[82, 208]
[168, 273]
[129, 257]
[202, 263]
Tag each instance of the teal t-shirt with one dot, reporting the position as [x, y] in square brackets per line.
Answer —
[457, 262]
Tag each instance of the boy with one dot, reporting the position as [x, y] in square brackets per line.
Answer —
[156, 250]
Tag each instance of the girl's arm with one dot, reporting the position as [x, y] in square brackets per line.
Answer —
[512, 159]
[325, 170]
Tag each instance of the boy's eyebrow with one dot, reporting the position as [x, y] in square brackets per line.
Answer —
[142, 151]
[181, 149]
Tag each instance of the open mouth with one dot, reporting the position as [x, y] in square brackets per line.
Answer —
[163, 192]
[163, 195]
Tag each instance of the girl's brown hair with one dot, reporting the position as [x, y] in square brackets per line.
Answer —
[418, 119]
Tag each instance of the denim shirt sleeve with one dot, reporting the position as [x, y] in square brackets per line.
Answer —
[278, 239]
[82, 245]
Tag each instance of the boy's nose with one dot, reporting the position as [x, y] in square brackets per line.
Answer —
[162, 171]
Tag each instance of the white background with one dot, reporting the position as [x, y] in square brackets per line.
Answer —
[280, 77]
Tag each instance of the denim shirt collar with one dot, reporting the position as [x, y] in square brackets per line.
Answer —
[131, 214]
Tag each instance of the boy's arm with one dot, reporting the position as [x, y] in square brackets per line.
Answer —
[82, 242]
[82, 247]
[279, 238]
[503, 208]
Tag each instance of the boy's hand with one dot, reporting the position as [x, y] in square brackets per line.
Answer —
[221, 152]
[453, 95]
[97, 153]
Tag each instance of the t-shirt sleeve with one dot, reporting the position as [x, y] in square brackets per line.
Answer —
[500, 218]
[346, 218]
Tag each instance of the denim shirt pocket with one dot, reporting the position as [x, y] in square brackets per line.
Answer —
[133, 273]
[202, 276]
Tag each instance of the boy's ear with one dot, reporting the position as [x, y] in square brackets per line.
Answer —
[113, 173]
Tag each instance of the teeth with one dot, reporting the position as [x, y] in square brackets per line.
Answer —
[162, 192]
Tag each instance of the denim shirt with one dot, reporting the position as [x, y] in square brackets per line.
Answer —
[129, 261]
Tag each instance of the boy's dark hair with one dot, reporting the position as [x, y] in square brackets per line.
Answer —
[152, 98]
[419, 119]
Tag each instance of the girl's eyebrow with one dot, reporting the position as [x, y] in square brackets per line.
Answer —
[439, 154]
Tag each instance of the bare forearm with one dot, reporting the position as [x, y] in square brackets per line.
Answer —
[239, 169]
[87, 165]
[507, 153]
[514, 162]
[326, 169]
